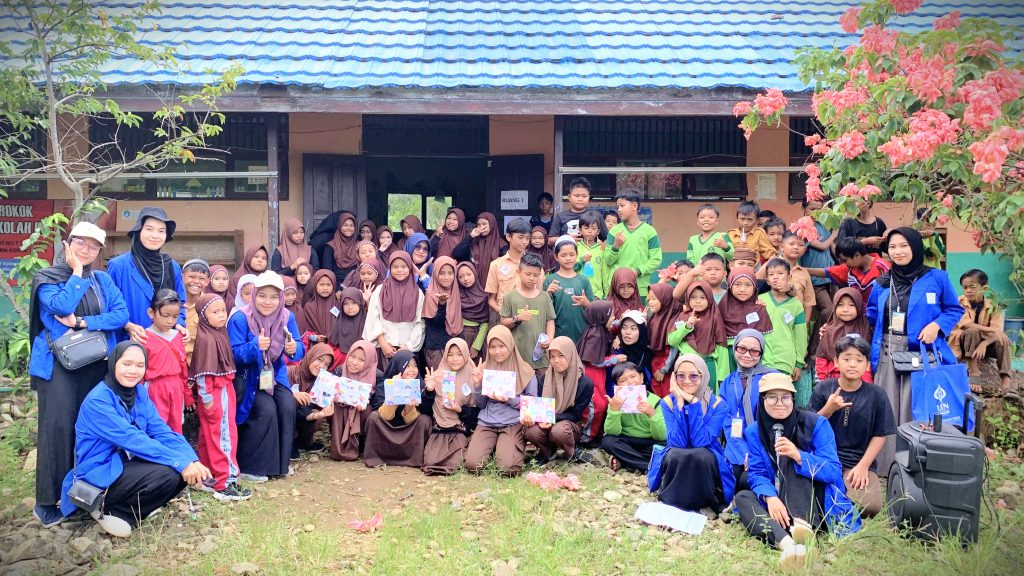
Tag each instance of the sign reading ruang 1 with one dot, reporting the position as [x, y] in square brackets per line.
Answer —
[18, 219]
[511, 200]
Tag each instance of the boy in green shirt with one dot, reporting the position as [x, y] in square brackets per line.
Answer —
[590, 251]
[528, 313]
[708, 241]
[629, 438]
[636, 244]
[570, 292]
[786, 344]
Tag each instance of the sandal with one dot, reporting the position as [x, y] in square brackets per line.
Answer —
[1011, 393]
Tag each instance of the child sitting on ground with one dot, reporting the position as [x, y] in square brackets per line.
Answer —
[629, 437]
[979, 334]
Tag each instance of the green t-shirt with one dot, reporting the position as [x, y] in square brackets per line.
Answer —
[570, 321]
[786, 345]
[641, 252]
[599, 283]
[526, 333]
[697, 248]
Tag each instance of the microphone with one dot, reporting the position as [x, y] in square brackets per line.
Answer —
[777, 429]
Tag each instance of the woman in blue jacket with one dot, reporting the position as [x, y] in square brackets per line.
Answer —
[124, 447]
[67, 296]
[694, 473]
[909, 307]
[739, 391]
[144, 270]
[796, 481]
[261, 335]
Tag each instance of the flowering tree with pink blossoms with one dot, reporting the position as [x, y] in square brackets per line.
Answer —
[933, 118]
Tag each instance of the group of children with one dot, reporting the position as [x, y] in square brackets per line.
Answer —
[569, 306]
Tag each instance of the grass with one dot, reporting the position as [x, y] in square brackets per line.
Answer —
[15, 483]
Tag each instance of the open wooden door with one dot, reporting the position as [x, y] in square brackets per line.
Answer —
[331, 183]
[513, 183]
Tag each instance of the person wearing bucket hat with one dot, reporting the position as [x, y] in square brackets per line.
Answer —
[796, 481]
[144, 270]
[69, 295]
[261, 335]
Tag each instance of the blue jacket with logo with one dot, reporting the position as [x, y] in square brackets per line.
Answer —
[138, 292]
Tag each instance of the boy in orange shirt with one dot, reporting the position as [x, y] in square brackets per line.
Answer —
[748, 235]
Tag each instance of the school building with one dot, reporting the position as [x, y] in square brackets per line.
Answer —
[391, 106]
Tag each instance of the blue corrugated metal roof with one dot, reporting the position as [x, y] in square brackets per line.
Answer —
[500, 44]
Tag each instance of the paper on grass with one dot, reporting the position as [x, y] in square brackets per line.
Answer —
[659, 514]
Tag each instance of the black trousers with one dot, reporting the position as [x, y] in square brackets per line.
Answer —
[690, 479]
[632, 453]
[142, 488]
[265, 439]
[60, 398]
[803, 498]
[740, 473]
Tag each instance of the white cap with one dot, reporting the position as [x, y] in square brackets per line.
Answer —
[89, 230]
[269, 278]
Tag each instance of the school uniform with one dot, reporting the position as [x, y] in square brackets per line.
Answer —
[641, 252]
[717, 361]
[694, 473]
[843, 275]
[786, 345]
[131, 453]
[137, 290]
[756, 240]
[499, 432]
[630, 438]
[218, 432]
[167, 376]
[697, 248]
[599, 275]
[266, 421]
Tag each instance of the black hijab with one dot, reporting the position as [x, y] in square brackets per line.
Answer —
[798, 427]
[153, 264]
[639, 353]
[125, 393]
[902, 278]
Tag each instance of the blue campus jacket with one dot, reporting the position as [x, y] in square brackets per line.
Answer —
[820, 463]
[731, 392]
[249, 362]
[932, 299]
[138, 292]
[690, 427]
[105, 427]
[62, 299]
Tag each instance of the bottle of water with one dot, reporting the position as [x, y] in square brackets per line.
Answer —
[537, 350]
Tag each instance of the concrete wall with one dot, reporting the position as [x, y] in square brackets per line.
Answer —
[510, 135]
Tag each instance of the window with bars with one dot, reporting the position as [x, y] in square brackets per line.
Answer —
[657, 142]
[20, 146]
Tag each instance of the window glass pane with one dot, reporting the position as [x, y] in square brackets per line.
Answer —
[124, 186]
[437, 209]
[256, 185]
[651, 186]
[192, 187]
[400, 206]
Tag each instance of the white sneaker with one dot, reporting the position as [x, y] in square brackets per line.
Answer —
[112, 525]
[802, 532]
[291, 472]
[252, 478]
[793, 557]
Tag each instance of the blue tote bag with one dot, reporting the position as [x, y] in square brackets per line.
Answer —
[940, 389]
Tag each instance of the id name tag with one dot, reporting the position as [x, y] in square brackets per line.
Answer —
[335, 311]
[788, 318]
[266, 380]
[899, 322]
[752, 318]
[737, 428]
[930, 297]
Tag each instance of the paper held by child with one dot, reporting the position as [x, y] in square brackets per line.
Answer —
[401, 392]
[658, 514]
[499, 383]
[353, 392]
[540, 410]
[448, 388]
[632, 395]
[324, 389]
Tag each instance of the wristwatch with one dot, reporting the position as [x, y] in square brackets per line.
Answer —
[79, 324]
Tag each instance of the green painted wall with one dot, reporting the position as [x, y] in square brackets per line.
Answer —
[998, 271]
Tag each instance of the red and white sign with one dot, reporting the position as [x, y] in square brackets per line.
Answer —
[18, 220]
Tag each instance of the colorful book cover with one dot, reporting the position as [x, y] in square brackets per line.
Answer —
[324, 389]
[499, 383]
[448, 388]
[540, 410]
[353, 392]
[633, 396]
[400, 392]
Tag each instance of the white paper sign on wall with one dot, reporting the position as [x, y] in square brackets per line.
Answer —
[766, 186]
[515, 200]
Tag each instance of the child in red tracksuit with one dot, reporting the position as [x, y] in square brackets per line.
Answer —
[166, 363]
[213, 373]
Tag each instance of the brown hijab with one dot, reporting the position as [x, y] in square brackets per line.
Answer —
[398, 300]
[216, 268]
[290, 251]
[316, 313]
[371, 225]
[622, 305]
[212, 355]
[734, 312]
[660, 324]
[299, 375]
[431, 301]
[449, 240]
[414, 222]
[595, 342]
[562, 387]
[514, 363]
[473, 299]
[244, 269]
[344, 247]
[348, 329]
[709, 331]
[486, 249]
[445, 417]
[291, 286]
[351, 416]
[306, 290]
[387, 252]
[836, 329]
[544, 253]
[353, 281]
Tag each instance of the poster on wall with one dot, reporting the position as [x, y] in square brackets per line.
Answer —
[18, 220]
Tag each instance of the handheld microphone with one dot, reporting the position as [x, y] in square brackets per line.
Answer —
[777, 429]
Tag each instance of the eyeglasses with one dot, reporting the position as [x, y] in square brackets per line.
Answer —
[753, 352]
[772, 400]
[692, 377]
[420, 248]
[84, 244]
